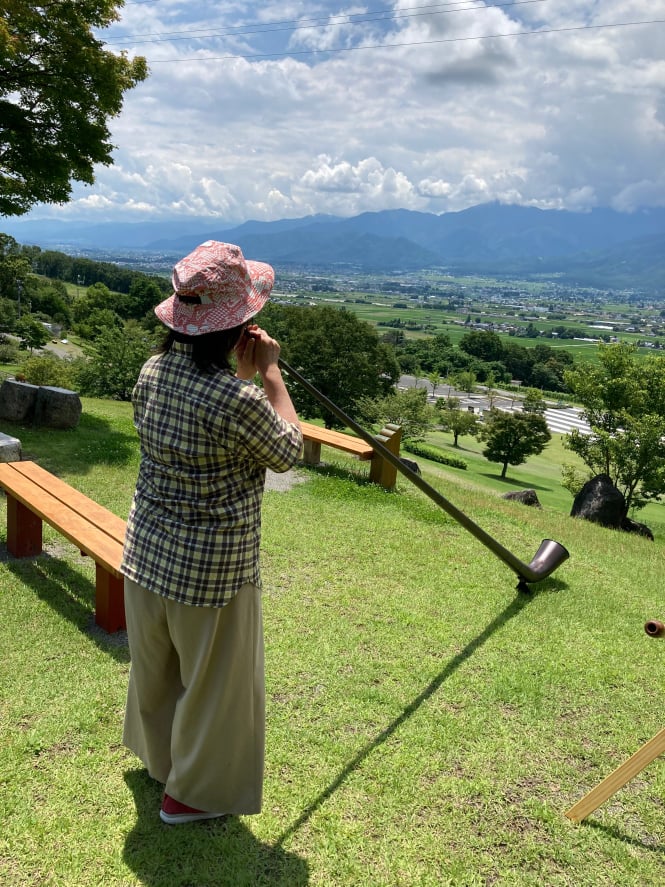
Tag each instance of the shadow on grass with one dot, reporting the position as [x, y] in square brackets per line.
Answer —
[514, 482]
[70, 595]
[212, 853]
[513, 609]
[619, 835]
[331, 469]
[94, 441]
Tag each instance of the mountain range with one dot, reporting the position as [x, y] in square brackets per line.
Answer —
[602, 247]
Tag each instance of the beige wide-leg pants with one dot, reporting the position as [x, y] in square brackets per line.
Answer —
[196, 698]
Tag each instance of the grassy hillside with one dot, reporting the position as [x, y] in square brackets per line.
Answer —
[427, 723]
[541, 473]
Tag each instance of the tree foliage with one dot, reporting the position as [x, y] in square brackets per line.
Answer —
[483, 344]
[48, 299]
[512, 437]
[9, 350]
[14, 266]
[339, 354]
[458, 422]
[144, 294]
[58, 89]
[115, 362]
[143, 289]
[534, 402]
[32, 334]
[624, 404]
[408, 409]
[465, 380]
[487, 355]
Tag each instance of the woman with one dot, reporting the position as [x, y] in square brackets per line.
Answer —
[196, 700]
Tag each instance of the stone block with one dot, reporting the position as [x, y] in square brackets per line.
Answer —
[10, 448]
[17, 400]
[57, 407]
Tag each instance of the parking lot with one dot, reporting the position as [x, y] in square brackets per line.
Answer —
[560, 420]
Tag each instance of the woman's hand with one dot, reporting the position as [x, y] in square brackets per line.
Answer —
[256, 352]
[266, 359]
[266, 350]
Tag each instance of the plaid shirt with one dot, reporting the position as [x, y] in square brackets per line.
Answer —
[194, 528]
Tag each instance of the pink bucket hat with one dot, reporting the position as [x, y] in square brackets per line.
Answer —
[230, 290]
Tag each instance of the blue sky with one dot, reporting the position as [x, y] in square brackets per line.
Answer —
[282, 109]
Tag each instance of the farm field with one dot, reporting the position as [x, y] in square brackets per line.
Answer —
[430, 305]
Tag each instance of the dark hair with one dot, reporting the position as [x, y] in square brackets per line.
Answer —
[210, 351]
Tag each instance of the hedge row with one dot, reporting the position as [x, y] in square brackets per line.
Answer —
[434, 454]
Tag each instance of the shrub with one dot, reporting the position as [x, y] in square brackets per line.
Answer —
[47, 369]
[9, 353]
[572, 479]
[434, 454]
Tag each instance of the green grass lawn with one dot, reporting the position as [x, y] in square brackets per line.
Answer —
[427, 723]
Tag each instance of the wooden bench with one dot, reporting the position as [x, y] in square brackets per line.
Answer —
[380, 471]
[33, 496]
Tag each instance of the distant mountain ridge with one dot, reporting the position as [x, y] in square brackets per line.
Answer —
[492, 238]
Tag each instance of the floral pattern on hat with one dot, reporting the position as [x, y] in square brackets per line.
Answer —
[230, 288]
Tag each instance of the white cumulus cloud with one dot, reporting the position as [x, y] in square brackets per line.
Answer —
[292, 108]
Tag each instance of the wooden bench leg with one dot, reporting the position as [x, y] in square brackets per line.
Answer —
[109, 601]
[24, 529]
[311, 454]
[381, 471]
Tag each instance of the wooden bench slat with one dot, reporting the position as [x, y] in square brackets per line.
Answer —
[96, 514]
[337, 439]
[87, 538]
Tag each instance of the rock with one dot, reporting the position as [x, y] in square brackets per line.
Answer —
[601, 502]
[410, 463]
[57, 407]
[17, 400]
[10, 448]
[41, 404]
[526, 497]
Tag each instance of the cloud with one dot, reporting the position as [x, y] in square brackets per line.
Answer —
[375, 186]
[248, 114]
[647, 192]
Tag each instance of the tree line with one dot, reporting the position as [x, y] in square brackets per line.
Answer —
[488, 357]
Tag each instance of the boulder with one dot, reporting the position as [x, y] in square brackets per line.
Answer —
[57, 407]
[410, 463]
[526, 497]
[17, 400]
[601, 502]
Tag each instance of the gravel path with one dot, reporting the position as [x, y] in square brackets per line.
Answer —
[282, 482]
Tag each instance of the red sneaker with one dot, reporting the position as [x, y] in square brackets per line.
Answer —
[173, 812]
